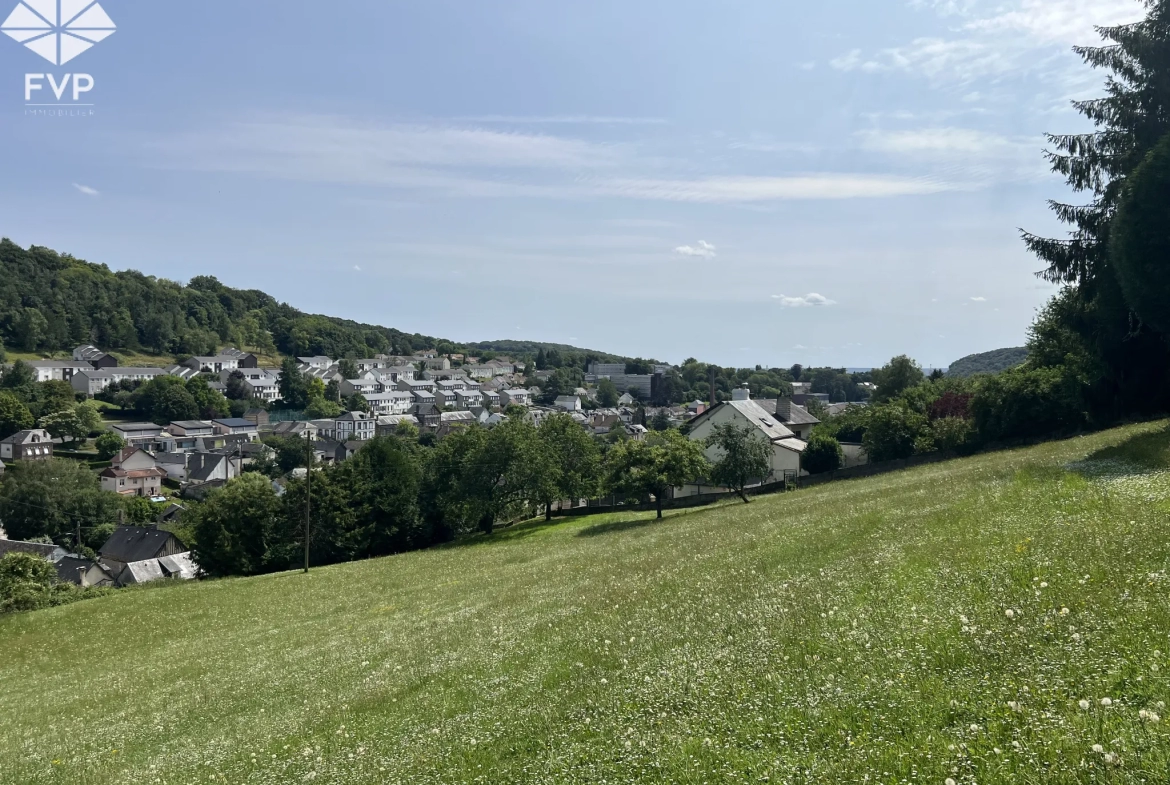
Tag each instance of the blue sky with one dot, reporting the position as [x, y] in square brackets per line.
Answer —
[760, 182]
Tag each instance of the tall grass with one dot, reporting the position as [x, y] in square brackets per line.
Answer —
[1002, 618]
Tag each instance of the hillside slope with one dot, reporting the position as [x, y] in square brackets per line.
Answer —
[52, 302]
[988, 362]
[853, 630]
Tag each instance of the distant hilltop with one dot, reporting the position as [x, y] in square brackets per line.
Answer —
[988, 362]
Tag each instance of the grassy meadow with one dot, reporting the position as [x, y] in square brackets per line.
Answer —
[1002, 618]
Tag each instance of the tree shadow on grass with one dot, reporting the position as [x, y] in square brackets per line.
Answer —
[1139, 454]
[612, 527]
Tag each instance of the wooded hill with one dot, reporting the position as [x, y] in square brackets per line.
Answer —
[988, 362]
[51, 302]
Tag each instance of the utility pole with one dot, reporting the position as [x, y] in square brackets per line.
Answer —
[308, 494]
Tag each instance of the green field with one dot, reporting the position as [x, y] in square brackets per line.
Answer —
[853, 632]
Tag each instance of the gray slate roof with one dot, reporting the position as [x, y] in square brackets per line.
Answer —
[135, 543]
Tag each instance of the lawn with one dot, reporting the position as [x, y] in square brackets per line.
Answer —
[942, 622]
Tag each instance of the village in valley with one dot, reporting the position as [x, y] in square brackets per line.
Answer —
[169, 463]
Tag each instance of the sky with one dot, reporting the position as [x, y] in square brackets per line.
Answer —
[760, 182]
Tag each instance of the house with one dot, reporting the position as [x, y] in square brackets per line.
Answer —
[93, 381]
[491, 398]
[49, 551]
[263, 388]
[138, 554]
[466, 399]
[396, 372]
[243, 359]
[214, 364]
[449, 421]
[743, 412]
[236, 426]
[391, 402]
[514, 396]
[32, 445]
[258, 416]
[795, 418]
[445, 398]
[133, 472]
[139, 434]
[319, 362]
[355, 426]
[191, 428]
[423, 399]
[82, 572]
[637, 433]
[60, 370]
[205, 467]
[415, 385]
[183, 372]
[696, 407]
[298, 429]
[387, 425]
[570, 403]
[95, 357]
[451, 385]
[350, 387]
[626, 399]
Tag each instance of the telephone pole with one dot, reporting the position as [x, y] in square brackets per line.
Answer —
[308, 494]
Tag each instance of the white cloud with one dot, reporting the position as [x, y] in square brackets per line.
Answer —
[1010, 37]
[85, 189]
[357, 268]
[704, 249]
[810, 300]
[978, 299]
[941, 141]
[480, 163]
[567, 119]
[764, 189]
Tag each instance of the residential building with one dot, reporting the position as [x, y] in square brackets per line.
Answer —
[423, 398]
[465, 399]
[570, 403]
[191, 428]
[133, 472]
[214, 364]
[95, 357]
[795, 418]
[93, 381]
[392, 402]
[607, 369]
[299, 429]
[236, 426]
[746, 413]
[449, 421]
[138, 554]
[258, 416]
[138, 434]
[357, 426]
[491, 398]
[59, 370]
[359, 387]
[516, 396]
[32, 445]
[205, 467]
[387, 425]
[445, 398]
[319, 362]
[414, 385]
[625, 399]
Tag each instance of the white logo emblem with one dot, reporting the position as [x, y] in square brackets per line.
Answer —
[58, 30]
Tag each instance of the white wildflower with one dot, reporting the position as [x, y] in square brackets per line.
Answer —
[1010, 613]
[1013, 705]
[1097, 748]
[1106, 702]
[1084, 704]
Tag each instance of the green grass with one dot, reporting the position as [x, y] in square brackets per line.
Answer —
[853, 632]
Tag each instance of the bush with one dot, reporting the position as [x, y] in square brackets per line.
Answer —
[892, 433]
[951, 433]
[29, 583]
[1028, 402]
[823, 454]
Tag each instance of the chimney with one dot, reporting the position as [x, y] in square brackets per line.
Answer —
[784, 409]
[741, 393]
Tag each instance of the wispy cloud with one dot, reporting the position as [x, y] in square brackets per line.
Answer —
[356, 267]
[704, 249]
[567, 119]
[810, 300]
[85, 189]
[766, 189]
[1006, 38]
[978, 299]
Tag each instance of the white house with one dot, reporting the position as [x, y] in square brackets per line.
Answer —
[570, 403]
[515, 396]
[133, 472]
[391, 402]
[93, 381]
[354, 425]
[746, 413]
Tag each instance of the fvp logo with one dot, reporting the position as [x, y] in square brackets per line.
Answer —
[58, 30]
